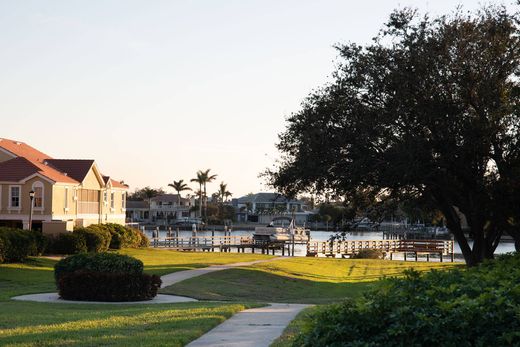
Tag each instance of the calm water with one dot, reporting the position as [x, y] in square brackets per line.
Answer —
[300, 250]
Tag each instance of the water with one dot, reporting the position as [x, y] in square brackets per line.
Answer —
[300, 250]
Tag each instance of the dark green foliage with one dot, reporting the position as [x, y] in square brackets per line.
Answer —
[108, 286]
[67, 243]
[104, 232]
[18, 244]
[98, 262]
[95, 240]
[368, 254]
[475, 307]
[428, 111]
[124, 237]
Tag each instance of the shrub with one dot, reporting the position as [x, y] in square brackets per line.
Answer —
[144, 241]
[67, 243]
[108, 286]
[2, 250]
[19, 244]
[125, 237]
[95, 240]
[476, 307]
[368, 253]
[98, 262]
[104, 232]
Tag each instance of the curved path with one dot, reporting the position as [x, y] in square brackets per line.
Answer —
[257, 327]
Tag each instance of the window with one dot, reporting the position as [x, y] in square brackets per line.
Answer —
[37, 188]
[105, 197]
[123, 200]
[66, 203]
[14, 197]
[112, 198]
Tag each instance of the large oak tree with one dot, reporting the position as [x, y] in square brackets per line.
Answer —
[428, 109]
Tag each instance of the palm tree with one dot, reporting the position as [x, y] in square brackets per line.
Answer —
[150, 193]
[223, 193]
[200, 181]
[179, 186]
[203, 178]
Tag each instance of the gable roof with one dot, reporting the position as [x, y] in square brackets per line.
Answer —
[17, 169]
[75, 168]
[28, 161]
[21, 149]
[266, 198]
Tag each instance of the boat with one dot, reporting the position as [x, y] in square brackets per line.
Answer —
[281, 229]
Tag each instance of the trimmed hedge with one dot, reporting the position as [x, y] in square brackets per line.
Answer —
[98, 262]
[104, 277]
[107, 286]
[472, 307]
[17, 244]
[95, 240]
[68, 243]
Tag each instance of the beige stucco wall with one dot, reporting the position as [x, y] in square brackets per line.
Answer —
[25, 200]
[58, 202]
[91, 181]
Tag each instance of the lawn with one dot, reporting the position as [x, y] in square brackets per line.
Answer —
[297, 280]
[40, 324]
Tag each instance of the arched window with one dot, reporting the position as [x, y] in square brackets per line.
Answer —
[37, 187]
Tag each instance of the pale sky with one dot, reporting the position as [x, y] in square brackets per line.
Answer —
[156, 90]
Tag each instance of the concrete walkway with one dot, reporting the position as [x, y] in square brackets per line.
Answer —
[176, 277]
[257, 327]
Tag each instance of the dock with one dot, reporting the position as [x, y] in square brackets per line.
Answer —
[416, 248]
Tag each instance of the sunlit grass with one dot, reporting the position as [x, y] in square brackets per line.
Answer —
[41, 324]
[297, 280]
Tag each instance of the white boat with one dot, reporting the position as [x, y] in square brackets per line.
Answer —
[281, 229]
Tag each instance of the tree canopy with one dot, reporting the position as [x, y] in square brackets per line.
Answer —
[429, 109]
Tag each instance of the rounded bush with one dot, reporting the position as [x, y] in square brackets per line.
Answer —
[19, 244]
[98, 262]
[107, 286]
[95, 240]
[104, 232]
[67, 243]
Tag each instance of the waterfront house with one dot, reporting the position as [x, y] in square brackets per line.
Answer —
[261, 207]
[67, 192]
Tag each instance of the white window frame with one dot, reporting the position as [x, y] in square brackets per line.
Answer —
[66, 203]
[112, 200]
[123, 200]
[9, 202]
[38, 184]
[105, 197]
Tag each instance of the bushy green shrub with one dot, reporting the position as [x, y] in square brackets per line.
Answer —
[104, 277]
[2, 250]
[19, 244]
[107, 286]
[125, 237]
[103, 231]
[67, 243]
[95, 240]
[368, 253]
[474, 307]
[98, 262]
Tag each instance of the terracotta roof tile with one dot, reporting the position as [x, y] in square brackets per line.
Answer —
[21, 149]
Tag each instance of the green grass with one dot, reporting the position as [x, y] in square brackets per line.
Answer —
[294, 328]
[43, 324]
[297, 280]
[163, 261]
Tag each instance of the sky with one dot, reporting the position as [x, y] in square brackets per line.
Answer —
[156, 90]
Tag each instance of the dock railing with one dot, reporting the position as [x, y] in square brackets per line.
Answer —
[352, 247]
